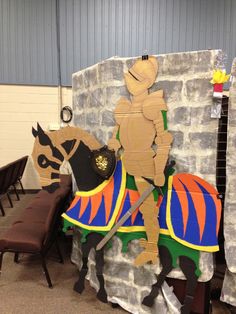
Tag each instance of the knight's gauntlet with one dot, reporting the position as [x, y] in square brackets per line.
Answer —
[113, 143]
[163, 138]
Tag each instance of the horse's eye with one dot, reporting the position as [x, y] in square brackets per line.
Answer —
[43, 161]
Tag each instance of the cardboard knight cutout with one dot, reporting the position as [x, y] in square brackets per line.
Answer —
[140, 124]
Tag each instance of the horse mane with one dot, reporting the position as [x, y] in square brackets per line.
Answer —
[70, 133]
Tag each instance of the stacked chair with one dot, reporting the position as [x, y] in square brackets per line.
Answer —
[10, 176]
[37, 227]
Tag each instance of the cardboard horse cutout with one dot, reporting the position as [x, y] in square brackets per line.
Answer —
[187, 225]
[189, 208]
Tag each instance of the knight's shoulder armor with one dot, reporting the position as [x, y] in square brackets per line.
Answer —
[153, 105]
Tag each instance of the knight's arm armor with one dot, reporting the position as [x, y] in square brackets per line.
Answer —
[113, 142]
[122, 109]
[154, 108]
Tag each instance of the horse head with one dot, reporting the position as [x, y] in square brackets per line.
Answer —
[52, 148]
[47, 159]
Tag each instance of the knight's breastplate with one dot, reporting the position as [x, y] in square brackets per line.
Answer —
[136, 132]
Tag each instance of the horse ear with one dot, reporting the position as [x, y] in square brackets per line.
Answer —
[40, 130]
[45, 140]
[34, 132]
[43, 137]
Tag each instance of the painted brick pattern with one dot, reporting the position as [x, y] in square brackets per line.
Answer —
[229, 286]
[184, 77]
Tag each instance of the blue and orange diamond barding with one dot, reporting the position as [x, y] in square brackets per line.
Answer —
[101, 208]
[190, 212]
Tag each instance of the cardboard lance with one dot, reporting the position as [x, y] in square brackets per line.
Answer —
[140, 124]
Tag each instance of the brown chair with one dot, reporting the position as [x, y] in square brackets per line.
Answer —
[5, 173]
[17, 173]
[22, 164]
[35, 231]
[10, 176]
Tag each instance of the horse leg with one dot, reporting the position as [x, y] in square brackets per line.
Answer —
[188, 267]
[95, 238]
[92, 240]
[166, 262]
[79, 284]
[101, 295]
[86, 247]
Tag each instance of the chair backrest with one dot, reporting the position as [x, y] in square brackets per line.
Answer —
[11, 173]
[65, 180]
[23, 162]
[15, 169]
[62, 196]
[3, 171]
[6, 173]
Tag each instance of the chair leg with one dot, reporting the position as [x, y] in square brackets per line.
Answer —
[207, 297]
[16, 258]
[23, 190]
[1, 258]
[15, 190]
[46, 271]
[1, 208]
[59, 252]
[9, 199]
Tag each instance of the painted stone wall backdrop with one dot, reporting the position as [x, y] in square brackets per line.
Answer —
[184, 77]
[229, 287]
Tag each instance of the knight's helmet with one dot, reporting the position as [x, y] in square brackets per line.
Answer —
[141, 75]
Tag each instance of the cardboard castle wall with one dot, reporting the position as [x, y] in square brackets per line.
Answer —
[184, 77]
[229, 286]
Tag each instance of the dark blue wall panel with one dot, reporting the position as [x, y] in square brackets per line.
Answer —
[93, 30]
[28, 52]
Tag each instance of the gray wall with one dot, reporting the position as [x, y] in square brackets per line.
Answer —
[28, 42]
[93, 30]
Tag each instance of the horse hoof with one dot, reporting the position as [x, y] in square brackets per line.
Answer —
[185, 310]
[79, 287]
[148, 301]
[114, 305]
[102, 296]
